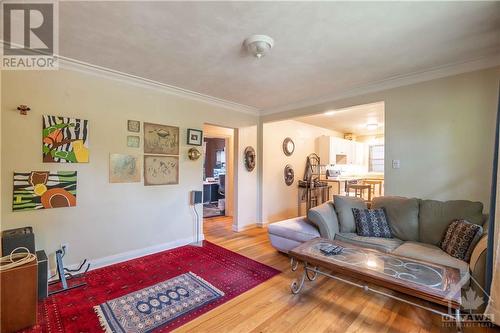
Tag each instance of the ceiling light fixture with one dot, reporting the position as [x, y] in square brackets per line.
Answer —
[328, 113]
[259, 45]
[371, 127]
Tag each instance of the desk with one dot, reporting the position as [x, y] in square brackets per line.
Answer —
[211, 192]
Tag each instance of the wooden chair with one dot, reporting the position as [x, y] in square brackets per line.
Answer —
[359, 190]
[374, 183]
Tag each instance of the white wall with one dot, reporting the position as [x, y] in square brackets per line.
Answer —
[109, 219]
[247, 181]
[441, 130]
[279, 201]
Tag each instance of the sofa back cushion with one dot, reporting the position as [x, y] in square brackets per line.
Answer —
[343, 207]
[402, 215]
[325, 219]
[435, 216]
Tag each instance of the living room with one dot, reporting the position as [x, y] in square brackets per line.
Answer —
[102, 164]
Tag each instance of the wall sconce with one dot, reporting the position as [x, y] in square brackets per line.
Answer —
[23, 109]
[193, 154]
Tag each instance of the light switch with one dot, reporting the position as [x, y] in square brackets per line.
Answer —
[396, 164]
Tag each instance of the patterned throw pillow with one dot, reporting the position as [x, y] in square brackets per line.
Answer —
[460, 238]
[371, 223]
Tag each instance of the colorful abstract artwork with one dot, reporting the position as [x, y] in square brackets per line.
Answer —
[124, 168]
[43, 189]
[65, 140]
[161, 139]
[161, 170]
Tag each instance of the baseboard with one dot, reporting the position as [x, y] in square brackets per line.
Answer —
[124, 256]
[262, 224]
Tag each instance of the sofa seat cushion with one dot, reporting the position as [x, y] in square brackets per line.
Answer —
[386, 245]
[435, 216]
[432, 254]
[402, 215]
[297, 228]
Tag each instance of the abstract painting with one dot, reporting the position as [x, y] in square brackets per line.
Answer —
[161, 139]
[65, 140]
[124, 168]
[161, 170]
[43, 189]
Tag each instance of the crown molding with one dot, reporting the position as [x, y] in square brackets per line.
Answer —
[81, 66]
[484, 62]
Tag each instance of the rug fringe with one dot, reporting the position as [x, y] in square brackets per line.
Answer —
[102, 320]
[211, 285]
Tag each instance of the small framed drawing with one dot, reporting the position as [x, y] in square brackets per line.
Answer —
[133, 141]
[134, 126]
[194, 137]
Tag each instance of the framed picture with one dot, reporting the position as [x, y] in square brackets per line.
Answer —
[134, 126]
[161, 139]
[44, 189]
[65, 140]
[161, 170]
[124, 168]
[133, 141]
[194, 137]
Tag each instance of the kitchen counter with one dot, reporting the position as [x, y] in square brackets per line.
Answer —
[344, 179]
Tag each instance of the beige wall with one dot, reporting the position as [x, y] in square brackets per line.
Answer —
[279, 201]
[442, 132]
[110, 219]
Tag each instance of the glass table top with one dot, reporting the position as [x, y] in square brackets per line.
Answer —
[391, 266]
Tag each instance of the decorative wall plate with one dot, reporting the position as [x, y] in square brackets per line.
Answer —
[194, 154]
[288, 146]
[288, 174]
[249, 158]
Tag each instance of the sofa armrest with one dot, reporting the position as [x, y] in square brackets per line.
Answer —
[325, 219]
[477, 266]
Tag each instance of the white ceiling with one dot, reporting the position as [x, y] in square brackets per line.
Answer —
[350, 120]
[321, 48]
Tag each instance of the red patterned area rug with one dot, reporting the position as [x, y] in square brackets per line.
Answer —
[229, 272]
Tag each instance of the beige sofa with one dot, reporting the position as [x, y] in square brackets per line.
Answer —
[417, 227]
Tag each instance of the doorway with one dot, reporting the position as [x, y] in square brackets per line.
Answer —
[217, 171]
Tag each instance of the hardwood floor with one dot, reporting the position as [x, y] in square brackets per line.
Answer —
[323, 305]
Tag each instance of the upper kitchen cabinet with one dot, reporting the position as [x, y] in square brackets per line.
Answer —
[333, 150]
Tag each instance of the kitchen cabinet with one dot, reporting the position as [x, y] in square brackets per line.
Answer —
[333, 150]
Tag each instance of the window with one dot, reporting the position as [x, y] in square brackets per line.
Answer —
[376, 158]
